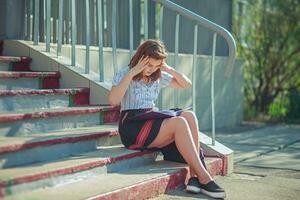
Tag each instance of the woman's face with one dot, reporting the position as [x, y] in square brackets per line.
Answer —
[152, 66]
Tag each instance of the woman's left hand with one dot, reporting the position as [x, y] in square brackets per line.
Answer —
[165, 67]
[179, 80]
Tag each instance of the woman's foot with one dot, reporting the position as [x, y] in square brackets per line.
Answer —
[210, 189]
[193, 185]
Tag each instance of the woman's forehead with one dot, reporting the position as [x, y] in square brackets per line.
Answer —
[155, 62]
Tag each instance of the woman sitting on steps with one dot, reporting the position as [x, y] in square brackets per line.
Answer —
[136, 87]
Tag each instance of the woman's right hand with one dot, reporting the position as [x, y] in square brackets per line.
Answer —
[140, 66]
[117, 92]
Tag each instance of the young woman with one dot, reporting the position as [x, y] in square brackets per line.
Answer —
[136, 87]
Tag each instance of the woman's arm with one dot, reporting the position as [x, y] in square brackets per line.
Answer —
[117, 92]
[179, 80]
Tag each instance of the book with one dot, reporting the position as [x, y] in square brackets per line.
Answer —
[158, 114]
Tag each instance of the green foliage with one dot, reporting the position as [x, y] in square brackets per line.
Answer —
[250, 113]
[278, 109]
[294, 106]
[268, 39]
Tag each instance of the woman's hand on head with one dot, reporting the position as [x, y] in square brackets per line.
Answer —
[165, 67]
[140, 66]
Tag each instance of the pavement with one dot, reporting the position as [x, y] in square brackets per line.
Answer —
[267, 163]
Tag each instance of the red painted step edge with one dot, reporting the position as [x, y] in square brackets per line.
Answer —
[16, 117]
[70, 170]
[10, 58]
[29, 74]
[18, 147]
[147, 189]
[80, 96]
[22, 65]
[160, 185]
[15, 59]
[216, 168]
[142, 190]
[42, 92]
[50, 82]
[19, 63]
[111, 116]
[1, 47]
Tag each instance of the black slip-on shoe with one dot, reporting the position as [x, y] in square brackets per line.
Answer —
[193, 185]
[212, 189]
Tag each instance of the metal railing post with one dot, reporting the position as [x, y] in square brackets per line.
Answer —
[213, 88]
[36, 21]
[146, 19]
[87, 37]
[176, 53]
[60, 26]
[161, 18]
[73, 33]
[130, 28]
[100, 41]
[194, 67]
[48, 24]
[27, 19]
[113, 36]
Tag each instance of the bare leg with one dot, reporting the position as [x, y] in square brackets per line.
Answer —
[177, 128]
[193, 124]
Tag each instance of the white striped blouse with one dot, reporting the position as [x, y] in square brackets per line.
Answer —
[139, 94]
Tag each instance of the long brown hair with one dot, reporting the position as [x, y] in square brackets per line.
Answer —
[152, 48]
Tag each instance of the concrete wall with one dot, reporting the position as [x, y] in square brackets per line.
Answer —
[12, 19]
[228, 91]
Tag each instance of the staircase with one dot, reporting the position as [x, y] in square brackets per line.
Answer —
[54, 145]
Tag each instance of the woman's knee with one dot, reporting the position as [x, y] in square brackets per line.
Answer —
[179, 123]
[188, 115]
[191, 118]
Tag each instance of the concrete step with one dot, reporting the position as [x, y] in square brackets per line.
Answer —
[14, 100]
[15, 63]
[17, 151]
[134, 183]
[29, 80]
[72, 169]
[45, 120]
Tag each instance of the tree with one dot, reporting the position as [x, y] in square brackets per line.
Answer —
[268, 39]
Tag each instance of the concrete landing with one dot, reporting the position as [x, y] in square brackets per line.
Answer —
[243, 186]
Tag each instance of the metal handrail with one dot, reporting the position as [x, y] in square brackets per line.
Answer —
[216, 29]
[201, 21]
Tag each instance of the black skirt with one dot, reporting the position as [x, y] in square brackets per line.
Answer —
[139, 134]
